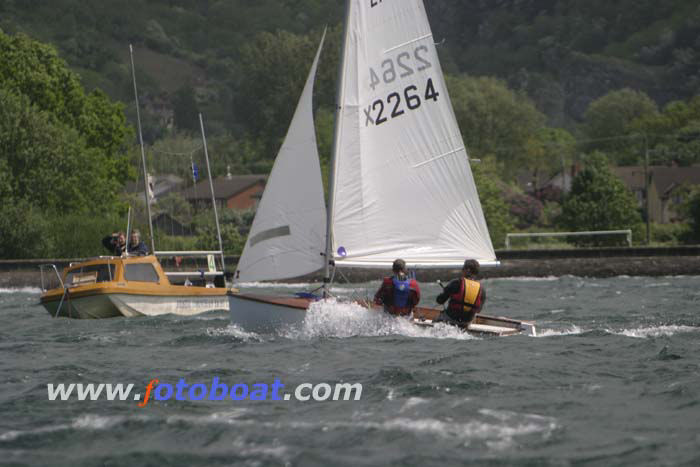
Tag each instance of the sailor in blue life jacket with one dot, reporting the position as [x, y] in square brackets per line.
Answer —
[399, 293]
[467, 296]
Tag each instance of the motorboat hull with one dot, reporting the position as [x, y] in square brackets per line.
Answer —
[113, 305]
[90, 291]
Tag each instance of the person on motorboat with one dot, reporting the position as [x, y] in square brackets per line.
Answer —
[399, 294]
[466, 295]
[136, 246]
[115, 243]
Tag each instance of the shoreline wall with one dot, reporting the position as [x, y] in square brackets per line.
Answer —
[589, 262]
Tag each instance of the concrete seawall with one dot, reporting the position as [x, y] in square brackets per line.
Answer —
[590, 262]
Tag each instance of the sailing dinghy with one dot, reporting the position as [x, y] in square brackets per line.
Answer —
[400, 181]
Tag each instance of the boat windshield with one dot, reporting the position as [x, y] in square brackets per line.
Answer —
[91, 274]
[140, 272]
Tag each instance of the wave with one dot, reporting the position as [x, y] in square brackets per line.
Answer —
[276, 285]
[570, 331]
[526, 278]
[498, 430]
[234, 331]
[84, 422]
[29, 290]
[330, 318]
[655, 331]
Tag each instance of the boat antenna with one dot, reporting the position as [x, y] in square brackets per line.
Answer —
[328, 255]
[213, 198]
[143, 154]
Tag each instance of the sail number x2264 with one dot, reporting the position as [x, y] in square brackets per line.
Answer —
[396, 104]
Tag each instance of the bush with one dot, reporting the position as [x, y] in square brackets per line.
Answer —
[80, 236]
[670, 234]
[23, 231]
[598, 201]
[526, 209]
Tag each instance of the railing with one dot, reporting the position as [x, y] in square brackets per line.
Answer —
[55, 270]
[187, 253]
[204, 274]
[626, 232]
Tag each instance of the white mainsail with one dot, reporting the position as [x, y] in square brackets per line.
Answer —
[402, 182]
[288, 233]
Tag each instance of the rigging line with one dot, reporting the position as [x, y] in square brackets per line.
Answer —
[354, 295]
[177, 153]
[437, 158]
[407, 43]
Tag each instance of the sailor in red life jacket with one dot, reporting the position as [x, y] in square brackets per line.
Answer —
[467, 296]
[399, 294]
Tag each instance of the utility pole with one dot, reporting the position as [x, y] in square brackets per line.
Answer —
[647, 199]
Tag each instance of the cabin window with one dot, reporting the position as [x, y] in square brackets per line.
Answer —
[91, 274]
[140, 273]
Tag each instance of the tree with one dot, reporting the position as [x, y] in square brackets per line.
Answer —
[65, 149]
[547, 152]
[24, 231]
[491, 189]
[272, 73]
[493, 119]
[674, 134]
[609, 120]
[62, 151]
[49, 164]
[186, 113]
[599, 200]
[692, 212]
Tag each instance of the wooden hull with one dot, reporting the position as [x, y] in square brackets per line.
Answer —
[268, 314]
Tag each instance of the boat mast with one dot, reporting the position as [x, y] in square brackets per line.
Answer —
[143, 155]
[213, 198]
[128, 228]
[339, 97]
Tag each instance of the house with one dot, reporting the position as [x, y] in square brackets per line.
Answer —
[666, 188]
[230, 191]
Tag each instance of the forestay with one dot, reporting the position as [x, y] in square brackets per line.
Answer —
[288, 233]
[403, 186]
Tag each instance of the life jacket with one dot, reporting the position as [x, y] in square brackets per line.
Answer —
[401, 296]
[402, 290]
[467, 298]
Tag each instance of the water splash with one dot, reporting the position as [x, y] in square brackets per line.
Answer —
[525, 279]
[655, 331]
[330, 318]
[234, 331]
[570, 331]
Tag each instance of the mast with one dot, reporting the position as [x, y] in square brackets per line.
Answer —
[339, 97]
[143, 155]
[213, 198]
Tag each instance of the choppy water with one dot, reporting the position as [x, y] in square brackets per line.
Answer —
[614, 379]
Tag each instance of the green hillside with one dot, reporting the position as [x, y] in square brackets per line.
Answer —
[562, 53]
[537, 87]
